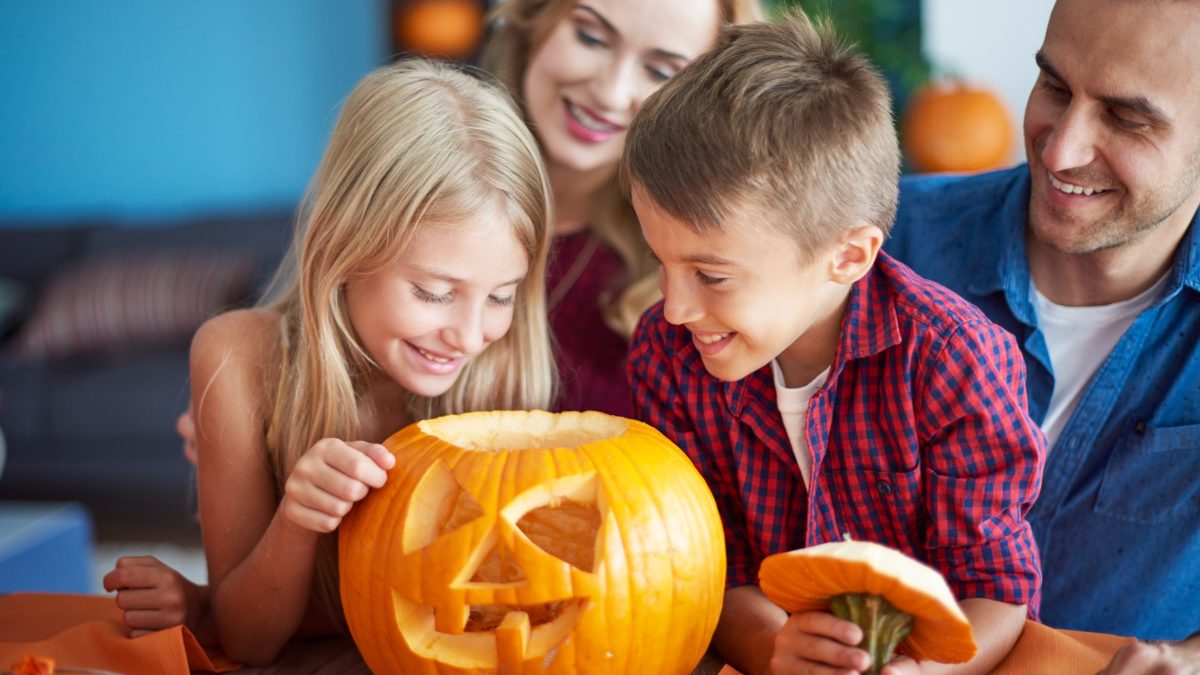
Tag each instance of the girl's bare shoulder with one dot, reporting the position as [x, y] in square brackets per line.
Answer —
[242, 335]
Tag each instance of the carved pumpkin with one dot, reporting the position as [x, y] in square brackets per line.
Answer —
[531, 542]
[896, 600]
[449, 28]
[955, 127]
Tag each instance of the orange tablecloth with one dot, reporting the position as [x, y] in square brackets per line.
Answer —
[86, 631]
[1051, 651]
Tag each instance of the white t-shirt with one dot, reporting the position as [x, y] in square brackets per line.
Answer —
[1079, 339]
[793, 406]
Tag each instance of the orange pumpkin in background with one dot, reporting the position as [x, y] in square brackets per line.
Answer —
[952, 126]
[447, 28]
[531, 542]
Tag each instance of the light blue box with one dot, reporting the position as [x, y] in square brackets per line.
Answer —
[45, 547]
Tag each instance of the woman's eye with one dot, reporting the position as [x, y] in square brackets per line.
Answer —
[432, 298]
[708, 280]
[660, 74]
[589, 39]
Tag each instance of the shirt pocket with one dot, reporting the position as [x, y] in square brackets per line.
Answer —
[1153, 475]
[880, 506]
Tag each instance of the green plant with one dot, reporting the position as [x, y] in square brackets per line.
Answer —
[889, 31]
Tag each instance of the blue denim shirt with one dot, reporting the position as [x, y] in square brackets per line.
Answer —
[1118, 520]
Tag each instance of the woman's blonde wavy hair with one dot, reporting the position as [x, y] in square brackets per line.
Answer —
[417, 142]
[519, 29]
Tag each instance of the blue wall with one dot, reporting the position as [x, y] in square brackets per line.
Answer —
[143, 110]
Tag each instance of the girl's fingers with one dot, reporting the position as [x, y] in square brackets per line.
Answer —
[310, 518]
[378, 453]
[145, 621]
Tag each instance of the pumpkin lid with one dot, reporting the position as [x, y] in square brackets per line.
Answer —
[806, 579]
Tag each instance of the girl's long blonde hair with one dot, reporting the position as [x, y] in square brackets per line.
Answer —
[519, 29]
[416, 142]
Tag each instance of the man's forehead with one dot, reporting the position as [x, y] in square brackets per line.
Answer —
[1127, 48]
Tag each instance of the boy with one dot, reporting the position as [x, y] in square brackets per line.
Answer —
[821, 387]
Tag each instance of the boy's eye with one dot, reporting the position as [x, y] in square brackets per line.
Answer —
[709, 280]
[432, 298]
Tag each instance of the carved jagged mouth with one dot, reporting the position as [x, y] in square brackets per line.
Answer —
[504, 632]
[484, 618]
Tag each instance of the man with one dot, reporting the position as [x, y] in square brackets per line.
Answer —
[1089, 255]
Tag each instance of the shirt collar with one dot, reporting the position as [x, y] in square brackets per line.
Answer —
[1001, 264]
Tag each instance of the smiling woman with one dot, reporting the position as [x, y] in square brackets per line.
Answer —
[582, 69]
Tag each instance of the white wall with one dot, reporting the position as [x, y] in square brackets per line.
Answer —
[989, 43]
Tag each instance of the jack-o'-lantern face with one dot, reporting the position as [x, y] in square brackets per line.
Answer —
[522, 542]
[470, 613]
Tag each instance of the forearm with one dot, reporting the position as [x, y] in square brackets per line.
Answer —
[746, 631]
[259, 605]
[996, 626]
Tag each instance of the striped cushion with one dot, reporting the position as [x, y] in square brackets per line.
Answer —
[130, 302]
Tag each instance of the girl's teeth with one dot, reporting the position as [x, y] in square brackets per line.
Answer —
[710, 339]
[431, 357]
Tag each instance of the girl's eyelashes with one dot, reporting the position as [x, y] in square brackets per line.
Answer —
[432, 298]
[502, 301]
[446, 298]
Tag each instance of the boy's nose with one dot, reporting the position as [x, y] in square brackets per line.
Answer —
[679, 307]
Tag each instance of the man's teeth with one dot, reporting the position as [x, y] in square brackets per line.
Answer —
[431, 357]
[590, 123]
[710, 339]
[1074, 189]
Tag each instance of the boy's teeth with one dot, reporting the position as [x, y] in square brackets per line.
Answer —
[431, 357]
[587, 120]
[1074, 189]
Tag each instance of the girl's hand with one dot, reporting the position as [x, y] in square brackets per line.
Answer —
[154, 596]
[185, 425]
[330, 478]
[818, 642]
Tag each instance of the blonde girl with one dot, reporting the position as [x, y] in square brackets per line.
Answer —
[416, 289]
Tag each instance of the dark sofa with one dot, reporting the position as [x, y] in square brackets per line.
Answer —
[100, 427]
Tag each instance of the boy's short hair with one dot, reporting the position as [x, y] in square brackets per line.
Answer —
[782, 118]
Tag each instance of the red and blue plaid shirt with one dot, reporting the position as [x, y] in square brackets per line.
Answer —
[920, 439]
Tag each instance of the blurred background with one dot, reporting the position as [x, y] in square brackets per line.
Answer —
[151, 155]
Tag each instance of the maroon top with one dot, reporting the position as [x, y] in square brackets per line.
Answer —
[590, 356]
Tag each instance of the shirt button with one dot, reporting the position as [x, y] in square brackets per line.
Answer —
[1139, 428]
[884, 488]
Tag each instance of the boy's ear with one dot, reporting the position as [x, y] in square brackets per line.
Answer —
[854, 254]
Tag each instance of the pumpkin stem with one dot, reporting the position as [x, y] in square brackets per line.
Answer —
[884, 627]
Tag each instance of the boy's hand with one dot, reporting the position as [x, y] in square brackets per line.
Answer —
[819, 642]
[153, 595]
[330, 478]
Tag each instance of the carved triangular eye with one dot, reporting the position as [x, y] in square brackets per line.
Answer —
[568, 525]
[439, 505]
